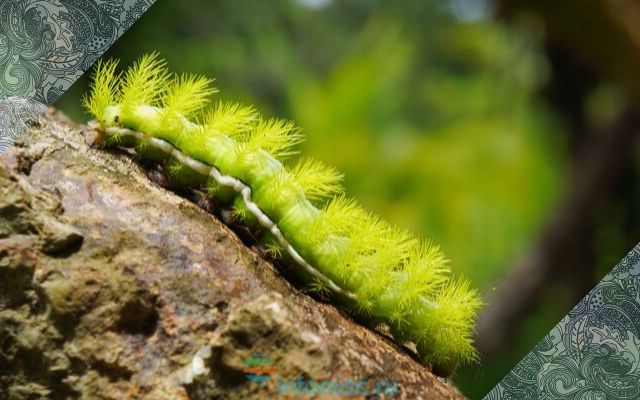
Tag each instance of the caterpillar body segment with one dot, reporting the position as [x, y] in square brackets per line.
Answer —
[377, 271]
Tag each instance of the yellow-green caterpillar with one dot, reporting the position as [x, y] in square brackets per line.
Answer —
[378, 272]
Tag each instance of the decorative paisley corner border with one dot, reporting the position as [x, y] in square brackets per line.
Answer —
[16, 114]
[593, 353]
[45, 45]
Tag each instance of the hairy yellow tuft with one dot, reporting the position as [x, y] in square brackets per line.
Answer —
[338, 217]
[145, 81]
[273, 135]
[445, 338]
[186, 95]
[376, 249]
[318, 180]
[232, 119]
[103, 90]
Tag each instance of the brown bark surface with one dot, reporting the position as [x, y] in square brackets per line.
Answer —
[112, 287]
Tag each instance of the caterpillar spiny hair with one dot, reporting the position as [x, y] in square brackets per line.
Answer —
[379, 273]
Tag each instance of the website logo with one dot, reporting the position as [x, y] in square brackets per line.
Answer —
[260, 369]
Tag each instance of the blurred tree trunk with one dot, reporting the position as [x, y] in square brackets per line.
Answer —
[588, 42]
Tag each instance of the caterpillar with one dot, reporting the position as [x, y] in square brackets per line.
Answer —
[240, 159]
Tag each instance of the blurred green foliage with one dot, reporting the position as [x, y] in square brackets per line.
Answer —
[435, 119]
[453, 146]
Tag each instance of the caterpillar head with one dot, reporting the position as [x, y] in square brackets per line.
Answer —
[111, 116]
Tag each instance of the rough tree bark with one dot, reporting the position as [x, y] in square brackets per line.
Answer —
[112, 287]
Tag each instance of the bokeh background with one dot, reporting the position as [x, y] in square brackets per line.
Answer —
[503, 130]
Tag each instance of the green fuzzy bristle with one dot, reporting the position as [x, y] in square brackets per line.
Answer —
[376, 249]
[422, 274]
[186, 95]
[443, 333]
[275, 136]
[317, 180]
[231, 119]
[197, 143]
[103, 90]
[145, 81]
[338, 216]
[274, 250]
[281, 182]
[240, 212]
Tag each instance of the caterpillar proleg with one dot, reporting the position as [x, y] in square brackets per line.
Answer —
[378, 272]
